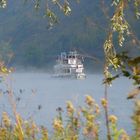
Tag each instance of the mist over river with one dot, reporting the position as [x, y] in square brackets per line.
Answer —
[38, 95]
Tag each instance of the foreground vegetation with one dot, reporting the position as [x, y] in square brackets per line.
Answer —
[82, 123]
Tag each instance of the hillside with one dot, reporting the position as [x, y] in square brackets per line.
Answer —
[33, 45]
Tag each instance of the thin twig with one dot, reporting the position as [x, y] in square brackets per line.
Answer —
[107, 114]
[106, 109]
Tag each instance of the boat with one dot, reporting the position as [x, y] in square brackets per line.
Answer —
[69, 65]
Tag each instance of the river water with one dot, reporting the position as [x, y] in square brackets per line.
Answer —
[38, 95]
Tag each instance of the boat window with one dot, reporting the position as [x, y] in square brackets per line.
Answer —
[72, 56]
[66, 70]
[65, 61]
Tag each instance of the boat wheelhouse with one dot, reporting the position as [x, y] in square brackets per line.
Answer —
[69, 65]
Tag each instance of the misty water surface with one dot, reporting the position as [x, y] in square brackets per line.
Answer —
[38, 95]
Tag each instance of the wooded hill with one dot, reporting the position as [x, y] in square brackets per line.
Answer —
[24, 33]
